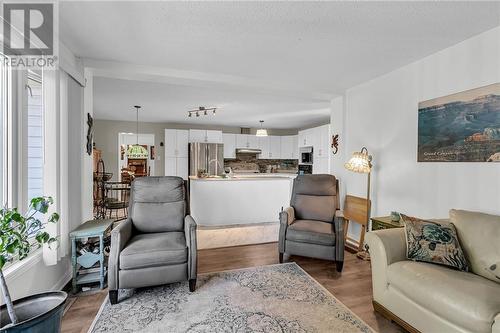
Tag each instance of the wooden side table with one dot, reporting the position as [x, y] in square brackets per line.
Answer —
[92, 228]
[384, 222]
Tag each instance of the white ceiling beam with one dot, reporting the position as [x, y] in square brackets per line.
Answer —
[128, 71]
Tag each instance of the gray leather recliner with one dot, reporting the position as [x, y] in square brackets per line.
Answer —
[157, 243]
[312, 225]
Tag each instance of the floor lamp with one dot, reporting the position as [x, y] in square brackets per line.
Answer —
[361, 162]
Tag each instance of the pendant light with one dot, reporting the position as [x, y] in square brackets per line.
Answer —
[261, 131]
[137, 151]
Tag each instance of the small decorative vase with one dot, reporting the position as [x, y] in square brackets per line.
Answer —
[395, 216]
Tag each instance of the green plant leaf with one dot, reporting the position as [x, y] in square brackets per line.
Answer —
[53, 218]
[42, 237]
[11, 248]
[3, 260]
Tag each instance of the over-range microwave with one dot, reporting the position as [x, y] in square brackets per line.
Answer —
[306, 155]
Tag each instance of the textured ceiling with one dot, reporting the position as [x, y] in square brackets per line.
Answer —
[323, 47]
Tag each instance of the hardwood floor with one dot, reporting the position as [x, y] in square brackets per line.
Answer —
[352, 287]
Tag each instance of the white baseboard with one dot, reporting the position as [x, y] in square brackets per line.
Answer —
[59, 285]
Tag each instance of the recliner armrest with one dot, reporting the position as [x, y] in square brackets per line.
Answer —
[339, 224]
[190, 234]
[119, 238]
[287, 216]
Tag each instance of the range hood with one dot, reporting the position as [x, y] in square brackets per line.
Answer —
[248, 151]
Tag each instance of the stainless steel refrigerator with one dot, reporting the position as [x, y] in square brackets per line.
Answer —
[206, 156]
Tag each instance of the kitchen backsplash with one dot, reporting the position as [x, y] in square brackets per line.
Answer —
[250, 163]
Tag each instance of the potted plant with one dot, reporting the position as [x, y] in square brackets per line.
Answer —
[19, 234]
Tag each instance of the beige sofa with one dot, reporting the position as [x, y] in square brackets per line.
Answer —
[431, 298]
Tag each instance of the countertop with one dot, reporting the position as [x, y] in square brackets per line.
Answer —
[252, 176]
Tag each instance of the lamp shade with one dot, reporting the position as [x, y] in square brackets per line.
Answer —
[359, 162]
[137, 152]
[261, 132]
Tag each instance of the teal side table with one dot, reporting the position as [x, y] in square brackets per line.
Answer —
[92, 228]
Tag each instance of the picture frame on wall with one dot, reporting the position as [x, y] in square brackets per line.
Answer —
[462, 127]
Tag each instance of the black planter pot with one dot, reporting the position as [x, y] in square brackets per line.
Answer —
[40, 313]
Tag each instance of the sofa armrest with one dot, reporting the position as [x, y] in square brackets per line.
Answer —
[190, 234]
[386, 247]
[339, 225]
[287, 216]
[119, 238]
[496, 324]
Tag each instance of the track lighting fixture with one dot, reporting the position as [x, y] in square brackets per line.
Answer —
[201, 110]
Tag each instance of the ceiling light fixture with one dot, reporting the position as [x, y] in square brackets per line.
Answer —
[261, 131]
[137, 151]
[201, 110]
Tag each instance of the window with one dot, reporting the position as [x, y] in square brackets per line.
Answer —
[35, 139]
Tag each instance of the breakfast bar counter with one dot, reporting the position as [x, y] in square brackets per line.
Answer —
[239, 210]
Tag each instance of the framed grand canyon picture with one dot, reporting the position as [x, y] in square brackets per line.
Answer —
[463, 127]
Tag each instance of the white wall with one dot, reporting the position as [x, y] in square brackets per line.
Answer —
[382, 115]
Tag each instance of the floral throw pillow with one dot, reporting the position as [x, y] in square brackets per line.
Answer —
[432, 242]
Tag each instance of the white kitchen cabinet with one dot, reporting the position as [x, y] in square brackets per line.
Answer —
[247, 141]
[196, 135]
[264, 147]
[288, 146]
[176, 166]
[176, 152]
[320, 165]
[214, 136]
[170, 166]
[274, 147]
[295, 154]
[182, 169]
[210, 136]
[307, 138]
[229, 141]
[176, 143]
[321, 145]
[253, 141]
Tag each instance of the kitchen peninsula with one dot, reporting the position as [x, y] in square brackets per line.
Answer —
[239, 210]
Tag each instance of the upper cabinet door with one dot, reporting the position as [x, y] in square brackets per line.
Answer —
[287, 143]
[229, 145]
[182, 140]
[295, 152]
[302, 137]
[170, 143]
[241, 141]
[322, 140]
[196, 135]
[274, 147]
[253, 141]
[214, 136]
[264, 147]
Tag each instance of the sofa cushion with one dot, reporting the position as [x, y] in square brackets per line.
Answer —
[479, 235]
[433, 242]
[313, 232]
[466, 299]
[150, 250]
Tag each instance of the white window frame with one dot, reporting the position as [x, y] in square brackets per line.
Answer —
[5, 107]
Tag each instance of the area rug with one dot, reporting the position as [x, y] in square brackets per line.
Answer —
[275, 298]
